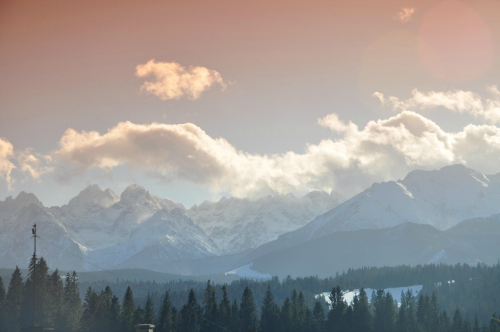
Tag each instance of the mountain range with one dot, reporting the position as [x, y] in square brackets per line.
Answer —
[447, 215]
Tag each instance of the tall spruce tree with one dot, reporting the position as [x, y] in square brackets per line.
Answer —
[235, 316]
[55, 298]
[270, 313]
[115, 315]
[165, 320]
[128, 311]
[248, 311]
[3, 307]
[336, 315]
[225, 309]
[14, 301]
[90, 309]
[318, 317]
[286, 316]
[72, 310]
[149, 313]
[190, 314]
[210, 310]
[361, 313]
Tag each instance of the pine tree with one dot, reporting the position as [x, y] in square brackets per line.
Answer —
[72, 310]
[90, 307]
[55, 297]
[318, 317]
[235, 316]
[477, 324]
[385, 313]
[103, 314]
[166, 319]
[138, 316]
[361, 312]
[2, 306]
[149, 313]
[457, 320]
[190, 314]
[270, 313]
[248, 311]
[114, 314]
[128, 311]
[286, 317]
[210, 310]
[225, 309]
[336, 316]
[14, 301]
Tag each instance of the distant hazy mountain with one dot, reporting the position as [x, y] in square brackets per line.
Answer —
[472, 241]
[237, 225]
[137, 229]
[440, 198]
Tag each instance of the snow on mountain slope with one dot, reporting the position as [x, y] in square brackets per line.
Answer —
[166, 236]
[17, 216]
[97, 219]
[441, 198]
[237, 225]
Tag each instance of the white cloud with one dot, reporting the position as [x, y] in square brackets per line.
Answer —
[6, 166]
[383, 150]
[405, 14]
[457, 101]
[174, 81]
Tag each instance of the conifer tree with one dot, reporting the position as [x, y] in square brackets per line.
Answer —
[72, 310]
[235, 316]
[55, 297]
[336, 315]
[128, 311]
[286, 317]
[165, 319]
[138, 316]
[114, 314]
[477, 325]
[225, 308]
[457, 320]
[210, 310]
[318, 317]
[2, 306]
[190, 314]
[270, 313]
[248, 311]
[90, 309]
[149, 313]
[361, 312]
[14, 301]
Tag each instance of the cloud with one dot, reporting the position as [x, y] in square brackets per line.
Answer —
[457, 101]
[382, 150]
[6, 166]
[25, 161]
[174, 81]
[405, 14]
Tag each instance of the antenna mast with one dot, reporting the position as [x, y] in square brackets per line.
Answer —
[33, 231]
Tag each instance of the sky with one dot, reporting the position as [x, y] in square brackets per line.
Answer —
[196, 100]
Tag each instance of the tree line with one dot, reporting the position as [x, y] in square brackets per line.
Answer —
[58, 304]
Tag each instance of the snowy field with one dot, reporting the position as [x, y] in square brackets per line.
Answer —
[247, 272]
[395, 292]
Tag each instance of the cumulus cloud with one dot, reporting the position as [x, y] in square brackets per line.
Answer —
[382, 150]
[173, 81]
[457, 101]
[6, 166]
[405, 14]
[24, 161]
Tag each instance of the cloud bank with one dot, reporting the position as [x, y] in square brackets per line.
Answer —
[457, 101]
[174, 81]
[382, 150]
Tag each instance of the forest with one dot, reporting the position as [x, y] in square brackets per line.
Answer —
[453, 298]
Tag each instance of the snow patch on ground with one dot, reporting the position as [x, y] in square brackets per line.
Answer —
[247, 272]
[395, 292]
